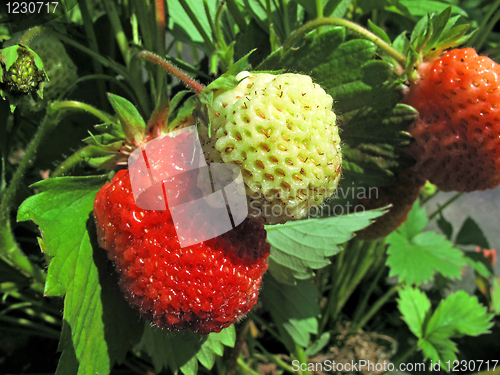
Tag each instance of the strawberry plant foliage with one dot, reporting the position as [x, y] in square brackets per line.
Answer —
[373, 122]
[294, 309]
[182, 350]
[80, 271]
[94, 310]
[457, 315]
[298, 248]
[327, 281]
[414, 257]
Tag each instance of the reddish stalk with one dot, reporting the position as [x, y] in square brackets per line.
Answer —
[177, 73]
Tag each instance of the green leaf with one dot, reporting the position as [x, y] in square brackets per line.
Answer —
[294, 310]
[423, 7]
[95, 312]
[439, 24]
[471, 234]
[9, 55]
[401, 44]
[222, 83]
[458, 315]
[376, 72]
[49, 210]
[418, 32]
[415, 223]
[318, 345]
[379, 32]
[240, 65]
[131, 121]
[184, 112]
[190, 24]
[310, 6]
[113, 129]
[183, 349]
[415, 307]
[438, 349]
[304, 245]
[337, 8]
[415, 261]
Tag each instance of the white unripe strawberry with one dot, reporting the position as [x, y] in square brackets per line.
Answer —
[281, 131]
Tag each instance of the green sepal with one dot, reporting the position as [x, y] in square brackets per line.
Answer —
[434, 33]
[107, 162]
[183, 114]
[239, 66]
[99, 139]
[8, 56]
[158, 122]
[112, 129]
[222, 83]
[131, 121]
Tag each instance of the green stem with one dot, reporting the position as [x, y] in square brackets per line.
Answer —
[286, 20]
[262, 322]
[360, 309]
[12, 254]
[197, 24]
[273, 359]
[28, 324]
[238, 346]
[116, 24]
[177, 73]
[89, 31]
[160, 40]
[375, 308]
[10, 193]
[10, 250]
[73, 160]
[482, 25]
[237, 15]
[447, 203]
[484, 34]
[358, 266]
[301, 356]
[218, 27]
[403, 357]
[336, 272]
[118, 68]
[210, 21]
[332, 21]
[319, 12]
[79, 106]
[30, 34]
[245, 369]
[99, 78]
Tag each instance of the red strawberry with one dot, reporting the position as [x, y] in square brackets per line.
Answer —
[457, 134]
[204, 287]
[401, 195]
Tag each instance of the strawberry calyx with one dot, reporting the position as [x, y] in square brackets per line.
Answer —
[118, 139]
[432, 35]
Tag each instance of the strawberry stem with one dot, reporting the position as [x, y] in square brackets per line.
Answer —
[83, 154]
[79, 106]
[332, 21]
[9, 249]
[160, 39]
[30, 34]
[177, 73]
